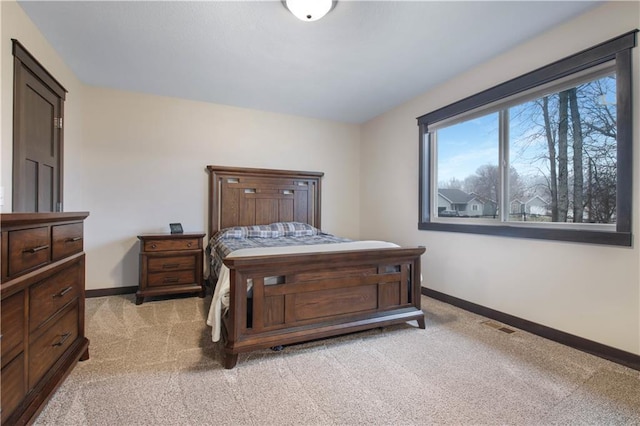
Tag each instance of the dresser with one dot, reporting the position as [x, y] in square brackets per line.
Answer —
[42, 312]
[170, 264]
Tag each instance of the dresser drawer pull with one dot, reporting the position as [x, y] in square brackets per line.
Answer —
[65, 336]
[63, 292]
[189, 244]
[170, 280]
[153, 246]
[35, 249]
[73, 240]
[170, 265]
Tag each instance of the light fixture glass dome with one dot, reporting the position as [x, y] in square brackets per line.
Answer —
[309, 10]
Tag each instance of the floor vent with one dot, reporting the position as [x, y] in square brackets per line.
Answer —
[499, 327]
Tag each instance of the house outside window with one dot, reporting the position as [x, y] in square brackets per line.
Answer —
[551, 148]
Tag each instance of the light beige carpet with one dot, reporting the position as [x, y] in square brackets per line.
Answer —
[154, 364]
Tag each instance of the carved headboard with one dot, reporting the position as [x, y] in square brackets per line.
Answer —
[244, 196]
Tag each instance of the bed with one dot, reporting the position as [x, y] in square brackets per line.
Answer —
[276, 296]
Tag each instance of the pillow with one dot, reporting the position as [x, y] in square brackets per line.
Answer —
[296, 229]
[254, 231]
[274, 230]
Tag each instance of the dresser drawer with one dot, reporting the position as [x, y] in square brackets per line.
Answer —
[173, 263]
[42, 308]
[50, 295]
[66, 240]
[172, 244]
[12, 323]
[28, 248]
[13, 386]
[172, 278]
[51, 344]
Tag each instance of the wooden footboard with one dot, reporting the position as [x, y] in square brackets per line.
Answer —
[300, 297]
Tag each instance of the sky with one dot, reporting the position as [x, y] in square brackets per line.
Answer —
[464, 147]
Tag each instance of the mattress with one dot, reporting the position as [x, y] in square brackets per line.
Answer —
[220, 247]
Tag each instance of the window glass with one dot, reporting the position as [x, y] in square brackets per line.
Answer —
[467, 167]
[562, 155]
[546, 155]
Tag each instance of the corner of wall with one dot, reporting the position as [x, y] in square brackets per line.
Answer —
[15, 24]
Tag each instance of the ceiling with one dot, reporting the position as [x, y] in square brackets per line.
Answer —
[362, 59]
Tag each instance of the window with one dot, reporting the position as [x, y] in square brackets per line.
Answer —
[546, 155]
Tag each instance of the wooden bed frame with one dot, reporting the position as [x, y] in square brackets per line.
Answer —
[318, 294]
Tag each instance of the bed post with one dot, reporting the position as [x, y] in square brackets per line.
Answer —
[416, 282]
[230, 360]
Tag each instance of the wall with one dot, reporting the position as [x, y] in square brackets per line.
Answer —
[16, 25]
[137, 162]
[2, 60]
[144, 167]
[586, 290]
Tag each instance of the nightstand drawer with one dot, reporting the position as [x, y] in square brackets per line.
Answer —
[66, 240]
[173, 263]
[158, 279]
[172, 244]
[12, 320]
[47, 348]
[28, 248]
[47, 297]
[170, 264]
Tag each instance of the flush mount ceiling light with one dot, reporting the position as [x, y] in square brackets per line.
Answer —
[309, 10]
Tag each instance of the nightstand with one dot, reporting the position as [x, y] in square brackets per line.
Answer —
[170, 264]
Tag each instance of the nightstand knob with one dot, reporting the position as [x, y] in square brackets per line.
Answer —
[188, 244]
[153, 246]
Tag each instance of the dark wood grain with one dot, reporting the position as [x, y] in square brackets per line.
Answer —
[52, 342]
[317, 295]
[249, 196]
[38, 136]
[170, 264]
[53, 293]
[28, 249]
[42, 312]
[13, 385]
[66, 240]
[13, 319]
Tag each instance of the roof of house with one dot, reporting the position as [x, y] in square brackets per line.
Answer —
[534, 198]
[456, 196]
[483, 200]
[537, 197]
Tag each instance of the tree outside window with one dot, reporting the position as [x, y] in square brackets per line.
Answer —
[551, 148]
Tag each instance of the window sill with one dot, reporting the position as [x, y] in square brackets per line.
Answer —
[538, 233]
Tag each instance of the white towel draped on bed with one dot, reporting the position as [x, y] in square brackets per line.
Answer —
[221, 293]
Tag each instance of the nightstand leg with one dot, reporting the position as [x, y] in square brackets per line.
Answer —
[139, 300]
